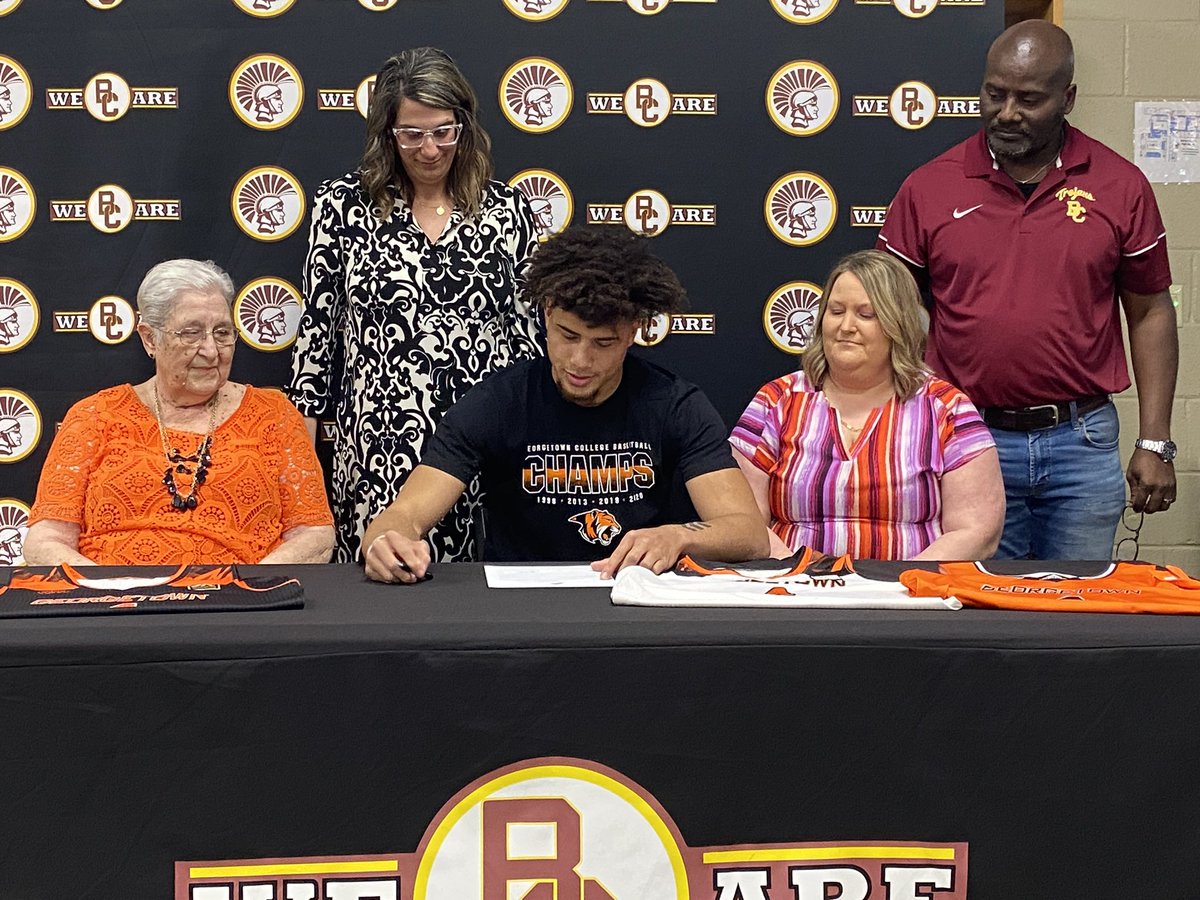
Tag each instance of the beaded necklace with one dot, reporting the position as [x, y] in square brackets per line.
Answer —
[176, 461]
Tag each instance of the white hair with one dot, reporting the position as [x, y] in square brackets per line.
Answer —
[166, 281]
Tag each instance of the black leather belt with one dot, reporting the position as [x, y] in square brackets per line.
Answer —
[1035, 418]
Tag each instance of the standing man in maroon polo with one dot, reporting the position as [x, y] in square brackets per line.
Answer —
[1028, 236]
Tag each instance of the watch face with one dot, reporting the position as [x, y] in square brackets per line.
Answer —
[1165, 450]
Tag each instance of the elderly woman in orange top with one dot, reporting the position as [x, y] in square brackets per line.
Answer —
[187, 467]
[864, 451]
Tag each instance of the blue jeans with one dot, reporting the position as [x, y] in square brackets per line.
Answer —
[1064, 488]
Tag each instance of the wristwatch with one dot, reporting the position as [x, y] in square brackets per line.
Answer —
[1165, 450]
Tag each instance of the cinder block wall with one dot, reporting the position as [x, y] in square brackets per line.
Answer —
[1125, 52]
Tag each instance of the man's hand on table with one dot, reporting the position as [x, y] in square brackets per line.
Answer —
[395, 559]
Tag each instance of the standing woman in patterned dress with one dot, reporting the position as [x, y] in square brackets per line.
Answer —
[412, 291]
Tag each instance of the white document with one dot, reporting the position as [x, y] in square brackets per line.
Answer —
[544, 576]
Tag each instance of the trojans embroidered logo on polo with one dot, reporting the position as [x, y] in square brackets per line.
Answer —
[1073, 197]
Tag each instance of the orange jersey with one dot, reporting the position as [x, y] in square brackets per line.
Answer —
[65, 590]
[1122, 587]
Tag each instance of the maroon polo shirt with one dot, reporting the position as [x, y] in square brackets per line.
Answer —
[1025, 292]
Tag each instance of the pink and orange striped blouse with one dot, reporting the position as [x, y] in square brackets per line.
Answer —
[879, 498]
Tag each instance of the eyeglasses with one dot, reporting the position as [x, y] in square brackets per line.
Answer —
[443, 136]
[222, 335]
[1127, 547]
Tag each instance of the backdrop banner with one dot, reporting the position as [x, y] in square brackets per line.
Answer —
[756, 140]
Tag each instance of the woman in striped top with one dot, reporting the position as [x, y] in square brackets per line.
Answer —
[864, 451]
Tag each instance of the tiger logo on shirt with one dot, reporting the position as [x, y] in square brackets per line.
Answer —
[597, 526]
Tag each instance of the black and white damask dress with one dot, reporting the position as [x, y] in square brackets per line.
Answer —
[395, 329]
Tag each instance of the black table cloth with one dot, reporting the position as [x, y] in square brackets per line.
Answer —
[1062, 749]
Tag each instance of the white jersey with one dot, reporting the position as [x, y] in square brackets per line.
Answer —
[808, 579]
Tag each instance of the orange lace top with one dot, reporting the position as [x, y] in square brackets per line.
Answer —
[105, 473]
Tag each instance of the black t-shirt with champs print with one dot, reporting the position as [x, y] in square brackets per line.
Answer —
[563, 482]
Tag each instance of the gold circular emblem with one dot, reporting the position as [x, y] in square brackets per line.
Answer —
[549, 199]
[16, 92]
[268, 203]
[265, 91]
[110, 208]
[790, 315]
[802, 97]
[536, 95]
[19, 315]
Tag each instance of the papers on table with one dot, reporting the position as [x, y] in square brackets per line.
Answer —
[544, 576]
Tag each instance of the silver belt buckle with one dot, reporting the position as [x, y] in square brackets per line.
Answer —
[1053, 407]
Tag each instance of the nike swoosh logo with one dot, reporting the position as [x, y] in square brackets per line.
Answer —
[958, 214]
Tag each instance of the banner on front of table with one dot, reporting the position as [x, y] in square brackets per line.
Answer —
[570, 829]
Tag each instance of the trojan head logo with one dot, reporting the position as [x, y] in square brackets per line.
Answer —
[536, 95]
[111, 320]
[362, 95]
[14, 525]
[913, 105]
[654, 330]
[647, 213]
[535, 10]
[18, 316]
[804, 12]
[561, 828]
[790, 315]
[268, 203]
[800, 208]
[15, 92]
[802, 98]
[20, 425]
[107, 96]
[110, 208]
[549, 198]
[16, 204]
[267, 313]
[264, 9]
[266, 91]
[7, 6]
[597, 526]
